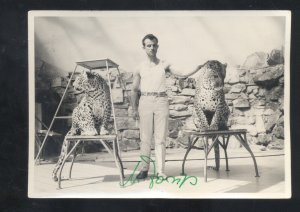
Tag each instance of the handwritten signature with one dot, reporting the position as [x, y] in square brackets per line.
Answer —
[154, 179]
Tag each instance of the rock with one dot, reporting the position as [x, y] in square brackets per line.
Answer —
[182, 83]
[59, 82]
[183, 139]
[178, 114]
[170, 81]
[226, 88]
[280, 121]
[255, 91]
[275, 93]
[252, 96]
[171, 143]
[131, 134]
[278, 132]
[127, 77]
[251, 140]
[246, 79]
[241, 103]
[276, 57]
[242, 120]
[121, 112]
[117, 95]
[270, 121]
[260, 102]
[234, 143]
[261, 92]
[192, 83]
[243, 96]
[264, 139]
[129, 144]
[270, 77]
[231, 96]
[273, 106]
[250, 128]
[281, 80]
[242, 72]
[180, 99]
[178, 107]
[189, 124]
[174, 126]
[122, 106]
[276, 144]
[238, 111]
[232, 76]
[229, 102]
[174, 88]
[251, 88]
[188, 92]
[268, 112]
[263, 148]
[126, 123]
[237, 88]
[249, 112]
[256, 60]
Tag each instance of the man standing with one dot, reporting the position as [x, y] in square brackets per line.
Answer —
[153, 110]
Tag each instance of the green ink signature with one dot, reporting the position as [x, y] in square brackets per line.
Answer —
[154, 179]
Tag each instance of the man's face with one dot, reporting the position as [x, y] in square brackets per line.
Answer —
[151, 47]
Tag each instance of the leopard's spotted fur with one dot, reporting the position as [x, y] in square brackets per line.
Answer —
[92, 115]
[211, 110]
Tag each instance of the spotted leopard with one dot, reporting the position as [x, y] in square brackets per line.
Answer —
[210, 109]
[92, 115]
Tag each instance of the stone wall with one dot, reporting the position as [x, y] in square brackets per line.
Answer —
[254, 93]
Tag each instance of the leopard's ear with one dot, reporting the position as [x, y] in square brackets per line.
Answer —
[83, 72]
[88, 74]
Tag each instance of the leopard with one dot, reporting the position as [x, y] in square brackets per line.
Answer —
[211, 111]
[92, 115]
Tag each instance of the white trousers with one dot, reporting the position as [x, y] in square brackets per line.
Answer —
[154, 115]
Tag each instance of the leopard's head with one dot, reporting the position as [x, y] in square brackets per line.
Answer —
[85, 82]
[212, 75]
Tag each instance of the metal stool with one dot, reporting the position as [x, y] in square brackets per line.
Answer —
[103, 139]
[240, 134]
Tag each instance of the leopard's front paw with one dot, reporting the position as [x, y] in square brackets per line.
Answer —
[89, 132]
[213, 127]
[103, 131]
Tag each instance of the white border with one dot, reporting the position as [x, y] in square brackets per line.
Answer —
[138, 195]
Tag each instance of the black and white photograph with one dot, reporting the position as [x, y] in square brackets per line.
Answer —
[159, 104]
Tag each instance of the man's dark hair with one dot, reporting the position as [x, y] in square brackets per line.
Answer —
[150, 37]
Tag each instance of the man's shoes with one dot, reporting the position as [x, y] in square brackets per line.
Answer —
[142, 175]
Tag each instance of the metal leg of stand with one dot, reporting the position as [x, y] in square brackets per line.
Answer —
[118, 161]
[73, 160]
[225, 143]
[187, 152]
[64, 161]
[243, 141]
[116, 142]
[217, 154]
[206, 151]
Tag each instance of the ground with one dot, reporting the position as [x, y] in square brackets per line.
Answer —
[95, 175]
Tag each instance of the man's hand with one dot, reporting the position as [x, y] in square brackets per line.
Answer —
[135, 114]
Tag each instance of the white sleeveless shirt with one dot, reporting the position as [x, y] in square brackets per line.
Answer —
[153, 77]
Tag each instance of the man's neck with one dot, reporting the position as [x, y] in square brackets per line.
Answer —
[152, 59]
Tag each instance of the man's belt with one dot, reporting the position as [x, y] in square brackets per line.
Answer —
[159, 94]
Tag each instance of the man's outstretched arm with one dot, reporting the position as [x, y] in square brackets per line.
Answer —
[171, 69]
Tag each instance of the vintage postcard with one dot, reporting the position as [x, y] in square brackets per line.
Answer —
[159, 104]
